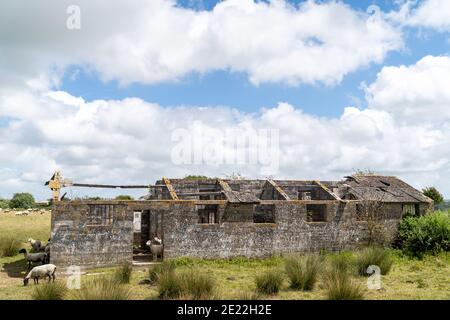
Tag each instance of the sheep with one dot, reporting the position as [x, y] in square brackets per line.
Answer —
[47, 251]
[156, 247]
[34, 257]
[46, 270]
[35, 244]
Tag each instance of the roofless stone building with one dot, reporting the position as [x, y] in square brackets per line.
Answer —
[225, 218]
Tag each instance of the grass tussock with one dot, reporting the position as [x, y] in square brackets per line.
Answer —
[49, 291]
[189, 284]
[374, 256]
[303, 271]
[339, 284]
[123, 274]
[249, 295]
[197, 284]
[9, 246]
[102, 288]
[269, 282]
[170, 285]
[155, 272]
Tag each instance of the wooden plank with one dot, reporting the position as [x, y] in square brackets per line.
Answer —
[279, 190]
[327, 190]
[169, 186]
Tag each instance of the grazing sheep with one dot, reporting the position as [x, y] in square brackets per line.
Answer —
[35, 244]
[46, 270]
[34, 257]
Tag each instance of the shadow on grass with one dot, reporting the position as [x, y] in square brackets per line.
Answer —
[16, 269]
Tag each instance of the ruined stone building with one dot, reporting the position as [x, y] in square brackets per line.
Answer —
[224, 218]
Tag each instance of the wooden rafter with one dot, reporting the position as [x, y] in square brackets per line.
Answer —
[320, 184]
[169, 186]
[279, 190]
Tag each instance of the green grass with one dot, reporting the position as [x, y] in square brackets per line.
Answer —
[197, 285]
[373, 256]
[170, 286]
[269, 282]
[49, 291]
[156, 271]
[123, 273]
[408, 278]
[102, 288]
[9, 246]
[340, 285]
[302, 271]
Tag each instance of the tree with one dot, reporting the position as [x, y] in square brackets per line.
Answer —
[4, 204]
[124, 197]
[22, 201]
[433, 194]
[373, 212]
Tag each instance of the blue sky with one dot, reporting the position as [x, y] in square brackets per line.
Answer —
[344, 89]
[223, 88]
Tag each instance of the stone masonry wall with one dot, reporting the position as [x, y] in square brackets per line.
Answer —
[84, 233]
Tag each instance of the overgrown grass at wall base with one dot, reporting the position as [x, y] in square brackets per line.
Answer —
[9, 246]
[302, 271]
[425, 234]
[269, 282]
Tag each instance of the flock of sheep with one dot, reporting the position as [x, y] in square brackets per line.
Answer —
[40, 254]
[24, 212]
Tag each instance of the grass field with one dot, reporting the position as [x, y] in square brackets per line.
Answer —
[408, 279]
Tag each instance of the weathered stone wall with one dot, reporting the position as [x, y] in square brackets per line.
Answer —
[77, 240]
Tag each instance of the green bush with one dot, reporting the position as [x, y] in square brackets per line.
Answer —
[49, 291]
[269, 282]
[373, 256]
[123, 274]
[102, 288]
[156, 271]
[22, 201]
[4, 204]
[302, 271]
[197, 285]
[124, 197]
[425, 234]
[340, 286]
[9, 246]
[170, 285]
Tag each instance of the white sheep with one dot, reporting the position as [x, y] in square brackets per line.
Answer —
[46, 270]
[35, 244]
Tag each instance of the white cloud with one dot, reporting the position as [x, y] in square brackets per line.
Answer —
[414, 94]
[405, 131]
[153, 41]
[431, 14]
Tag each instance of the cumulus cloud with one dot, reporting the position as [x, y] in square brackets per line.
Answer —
[430, 14]
[153, 41]
[404, 131]
[414, 94]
